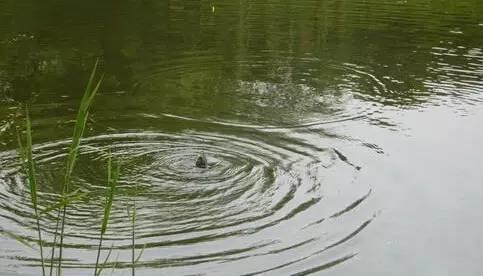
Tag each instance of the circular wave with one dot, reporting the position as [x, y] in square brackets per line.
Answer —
[273, 205]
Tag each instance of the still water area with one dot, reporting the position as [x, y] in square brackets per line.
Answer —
[342, 137]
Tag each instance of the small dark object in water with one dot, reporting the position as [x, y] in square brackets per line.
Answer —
[345, 159]
[201, 161]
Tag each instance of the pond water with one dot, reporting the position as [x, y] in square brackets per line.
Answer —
[342, 137]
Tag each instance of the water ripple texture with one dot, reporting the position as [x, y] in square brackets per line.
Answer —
[257, 200]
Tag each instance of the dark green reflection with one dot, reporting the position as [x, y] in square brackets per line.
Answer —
[183, 58]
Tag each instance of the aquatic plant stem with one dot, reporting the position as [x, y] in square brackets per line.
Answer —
[112, 177]
[40, 242]
[29, 167]
[133, 238]
[61, 243]
[54, 244]
[79, 128]
[98, 253]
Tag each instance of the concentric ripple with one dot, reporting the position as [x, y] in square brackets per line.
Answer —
[258, 198]
[290, 91]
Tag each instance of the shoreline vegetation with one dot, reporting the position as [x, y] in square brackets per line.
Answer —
[67, 196]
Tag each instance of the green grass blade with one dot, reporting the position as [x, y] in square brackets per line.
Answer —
[140, 255]
[79, 128]
[133, 238]
[26, 154]
[21, 152]
[54, 242]
[30, 162]
[68, 199]
[105, 261]
[112, 178]
[89, 83]
[134, 218]
[115, 264]
[80, 125]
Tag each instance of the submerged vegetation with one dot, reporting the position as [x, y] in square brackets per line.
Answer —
[25, 149]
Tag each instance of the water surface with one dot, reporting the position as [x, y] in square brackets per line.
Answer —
[342, 137]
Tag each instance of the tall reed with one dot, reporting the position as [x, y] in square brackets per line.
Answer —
[134, 260]
[29, 168]
[81, 119]
[112, 178]
[133, 235]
